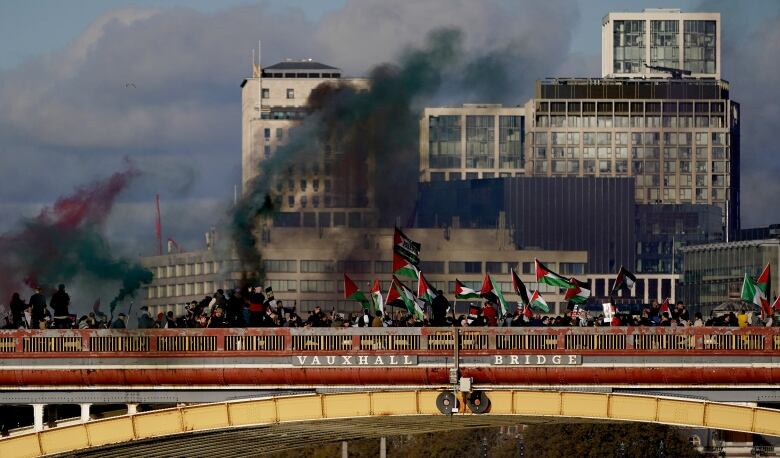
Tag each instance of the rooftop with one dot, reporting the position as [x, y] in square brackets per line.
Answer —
[305, 64]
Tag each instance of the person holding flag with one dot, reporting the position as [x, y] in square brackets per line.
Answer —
[493, 294]
[376, 297]
[399, 291]
[351, 291]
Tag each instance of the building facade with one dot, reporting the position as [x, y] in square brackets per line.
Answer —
[594, 214]
[305, 266]
[273, 102]
[632, 43]
[679, 139]
[471, 141]
[714, 272]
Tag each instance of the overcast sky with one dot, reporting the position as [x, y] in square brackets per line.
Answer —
[67, 117]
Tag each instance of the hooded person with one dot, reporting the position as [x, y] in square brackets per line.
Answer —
[145, 320]
[38, 304]
[60, 301]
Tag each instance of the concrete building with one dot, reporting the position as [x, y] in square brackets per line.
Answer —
[471, 141]
[273, 101]
[630, 42]
[714, 272]
[679, 139]
[305, 266]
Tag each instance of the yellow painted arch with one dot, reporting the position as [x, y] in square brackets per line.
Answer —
[507, 407]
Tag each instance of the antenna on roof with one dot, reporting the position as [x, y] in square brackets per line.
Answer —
[259, 78]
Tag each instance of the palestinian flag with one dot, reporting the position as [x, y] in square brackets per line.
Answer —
[462, 292]
[403, 268]
[351, 291]
[406, 255]
[527, 311]
[424, 290]
[776, 304]
[665, 307]
[624, 280]
[538, 302]
[764, 281]
[376, 295]
[548, 277]
[492, 292]
[399, 291]
[579, 294]
[751, 292]
[520, 288]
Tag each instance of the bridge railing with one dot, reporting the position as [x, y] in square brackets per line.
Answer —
[109, 342]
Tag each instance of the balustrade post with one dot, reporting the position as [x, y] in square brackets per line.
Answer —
[132, 408]
[85, 412]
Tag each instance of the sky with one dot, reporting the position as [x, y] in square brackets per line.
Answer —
[68, 116]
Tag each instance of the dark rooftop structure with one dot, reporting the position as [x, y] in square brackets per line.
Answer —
[301, 69]
[621, 88]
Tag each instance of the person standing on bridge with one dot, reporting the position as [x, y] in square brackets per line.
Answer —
[38, 304]
[59, 303]
[440, 305]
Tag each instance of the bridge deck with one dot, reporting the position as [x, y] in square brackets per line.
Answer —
[390, 356]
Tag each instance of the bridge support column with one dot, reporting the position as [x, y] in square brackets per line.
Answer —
[344, 449]
[132, 409]
[85, 412]
[38, 417]
[383, 447]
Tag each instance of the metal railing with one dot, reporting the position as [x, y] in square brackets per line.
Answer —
[629, 340]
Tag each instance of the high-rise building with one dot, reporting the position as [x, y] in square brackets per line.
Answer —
[633, 43]
[679, 138]
[274, 101]
[471, 141]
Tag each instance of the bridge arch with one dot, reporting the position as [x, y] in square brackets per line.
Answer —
[345, 416]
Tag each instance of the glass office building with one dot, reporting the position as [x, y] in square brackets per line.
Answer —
[679, 139]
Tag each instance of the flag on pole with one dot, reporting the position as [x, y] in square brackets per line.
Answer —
[527, 311]
[548, 277]
[764, 281]
[424, 290]
[579, 294]
[520, 289]
[462, 292]
[376, 295]
[624, 280]
[776, 305]
[399, 291]
[752, 293]
[538, 302]
[490, 291]
[351, 291]
[406, 255]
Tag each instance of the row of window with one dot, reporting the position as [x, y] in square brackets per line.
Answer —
[185, 270]
[638, 121]
[636, 138]
[431, 267]
[266, 93]
[575, 108]
[637, 152]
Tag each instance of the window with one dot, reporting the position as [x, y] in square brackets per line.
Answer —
[354, 266]
[266, 93]
[290, 201]
[444, 145]
[266, 151]
[267, 133]
[628, 46]
[572, 268]
[317, 286]
[317, 266]
[283, 285]
[605, 166]
[664, 50]
[699, 42]
[497, 267]
[621, 138]
[480, 147]
[465, 267]
[280, 265]
[303, 185]
[290, 93]
[383, 267]
[432, 267]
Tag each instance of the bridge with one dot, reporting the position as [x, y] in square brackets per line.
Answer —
[241, 385]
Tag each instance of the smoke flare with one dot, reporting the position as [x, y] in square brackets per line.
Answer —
[65, 242]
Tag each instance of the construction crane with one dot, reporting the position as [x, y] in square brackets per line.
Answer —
[677, 73]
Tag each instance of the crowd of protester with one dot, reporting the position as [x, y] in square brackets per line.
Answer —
[249, 307]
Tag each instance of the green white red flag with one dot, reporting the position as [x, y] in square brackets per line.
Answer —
[751, 292]
[548, 277]
[376, 295]
[520, 289]
[491, 291]
[399, 291]
[776, 305]
[424, 290]
[462, 292]
[764, 281]
[579, 294]
[406, 255]
[538, 302]
[665, 307]
[351, 291]
[624, 280]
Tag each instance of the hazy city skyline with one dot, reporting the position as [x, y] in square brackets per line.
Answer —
[71, 117]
